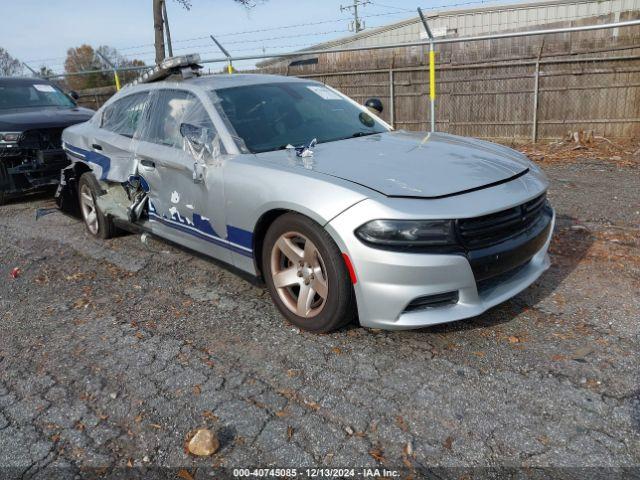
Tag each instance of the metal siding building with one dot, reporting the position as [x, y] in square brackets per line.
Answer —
[485, 20]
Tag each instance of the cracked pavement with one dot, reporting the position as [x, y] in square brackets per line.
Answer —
[112, 352]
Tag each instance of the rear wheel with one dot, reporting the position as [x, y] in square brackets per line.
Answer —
[306, 275]
[98, 224]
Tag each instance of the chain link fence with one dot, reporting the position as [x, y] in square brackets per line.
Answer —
[520, 86]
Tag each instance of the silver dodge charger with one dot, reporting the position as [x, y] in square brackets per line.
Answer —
[295, 184]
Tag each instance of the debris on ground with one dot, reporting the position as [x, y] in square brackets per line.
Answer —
[15, 272]
[203, 443]
[577, 146]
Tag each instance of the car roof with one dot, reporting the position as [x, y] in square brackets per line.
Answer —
[24, 81]
[216, 82]
[212, 82]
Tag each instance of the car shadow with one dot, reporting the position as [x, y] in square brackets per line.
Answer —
[569, 245]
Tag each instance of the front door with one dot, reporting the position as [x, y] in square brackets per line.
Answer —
[186, 196]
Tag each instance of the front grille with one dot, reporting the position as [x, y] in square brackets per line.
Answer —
[41, 139]
[488, 284]
[481, 232]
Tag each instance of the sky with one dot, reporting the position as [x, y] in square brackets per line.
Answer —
[40, 32]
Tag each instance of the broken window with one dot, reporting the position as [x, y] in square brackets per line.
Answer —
[123, 116]
[171, 109]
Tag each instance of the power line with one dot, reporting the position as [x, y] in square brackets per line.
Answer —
[376, 4]
[257, 40]
[282, 27]
[206, 37]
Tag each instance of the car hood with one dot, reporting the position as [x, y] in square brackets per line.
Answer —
[404, 164]
[21, 119]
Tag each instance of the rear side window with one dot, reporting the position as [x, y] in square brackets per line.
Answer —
[172, 108]
[123, 116]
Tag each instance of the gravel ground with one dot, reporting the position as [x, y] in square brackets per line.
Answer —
[111, 353]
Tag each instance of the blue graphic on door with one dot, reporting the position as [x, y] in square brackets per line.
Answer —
[200, 227]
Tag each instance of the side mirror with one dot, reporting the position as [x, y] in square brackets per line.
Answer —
[375, 105]
[193, 134]
[198, 142]
[74, 95]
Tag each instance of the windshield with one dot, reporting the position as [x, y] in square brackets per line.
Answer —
[28, 95]
[271, 116]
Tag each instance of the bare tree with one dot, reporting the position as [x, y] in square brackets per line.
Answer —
[158, 22]
[9, 66]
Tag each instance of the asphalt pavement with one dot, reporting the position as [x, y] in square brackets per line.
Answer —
[113, 352]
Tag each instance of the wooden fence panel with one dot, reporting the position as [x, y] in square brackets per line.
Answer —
[596, 89]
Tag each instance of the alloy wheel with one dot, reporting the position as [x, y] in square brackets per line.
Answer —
[299, 274]
[88, 206]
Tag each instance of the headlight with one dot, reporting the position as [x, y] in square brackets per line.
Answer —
[9, 137]
[407, 233]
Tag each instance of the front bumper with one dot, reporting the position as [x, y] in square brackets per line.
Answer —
[30, 169]
[388, 281]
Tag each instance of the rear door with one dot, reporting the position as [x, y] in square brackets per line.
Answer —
[113, 144]
[187, 210]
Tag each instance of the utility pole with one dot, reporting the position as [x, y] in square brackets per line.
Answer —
[166, 27]
[158, 26]
[358, 25]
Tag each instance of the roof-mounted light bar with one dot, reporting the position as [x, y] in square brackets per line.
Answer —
[186, 65]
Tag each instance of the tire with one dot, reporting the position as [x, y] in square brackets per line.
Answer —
[4, 181]
[96, 223]
[312, 267]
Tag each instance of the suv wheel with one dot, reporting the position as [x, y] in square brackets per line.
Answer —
[4, 181]
[306, 275]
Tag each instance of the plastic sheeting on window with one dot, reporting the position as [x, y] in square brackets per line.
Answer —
[177, 119]
[123, 116]
[172, 119]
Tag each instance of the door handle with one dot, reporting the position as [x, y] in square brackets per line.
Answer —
[96, 146]
[147, 163]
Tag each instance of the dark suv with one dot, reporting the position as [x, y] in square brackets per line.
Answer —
[33, 113]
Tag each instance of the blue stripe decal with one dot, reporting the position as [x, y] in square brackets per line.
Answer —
[92, 157]
[240, 236]
[143, 182]
[201, 236]
[201, 228]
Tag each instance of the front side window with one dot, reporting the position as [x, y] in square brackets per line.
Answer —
[32, 95]
[273, 115]
[170, 111]
[123, 116]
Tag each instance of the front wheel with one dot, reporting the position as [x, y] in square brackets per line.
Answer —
[4, 181]
[306, 275]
